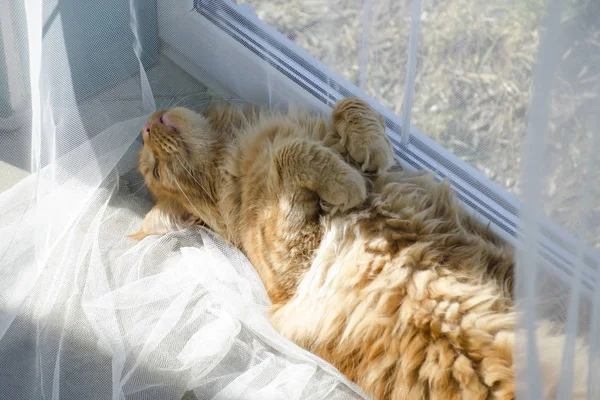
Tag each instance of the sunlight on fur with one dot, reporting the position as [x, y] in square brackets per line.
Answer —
[376, 270]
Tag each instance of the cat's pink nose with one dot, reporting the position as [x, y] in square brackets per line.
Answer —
[146, 130]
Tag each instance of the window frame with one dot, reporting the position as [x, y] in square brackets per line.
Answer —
[268, 54]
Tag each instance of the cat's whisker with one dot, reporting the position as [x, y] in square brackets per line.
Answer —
[194, 105]
[203, 188]
[206, 142]
[172, 100]
[195, 180]
[186, 197]
[141, 183]
[199, 145]
[136, 191]
[207, 99]
[178, 98]
[181, 99]
[160, 99]
[169, 104]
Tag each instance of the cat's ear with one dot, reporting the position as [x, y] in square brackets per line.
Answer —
[164, 218]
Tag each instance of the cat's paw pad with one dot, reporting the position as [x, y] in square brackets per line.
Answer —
[373, 155]
[343, 192]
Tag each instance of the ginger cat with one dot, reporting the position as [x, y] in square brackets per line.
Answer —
[376, 270]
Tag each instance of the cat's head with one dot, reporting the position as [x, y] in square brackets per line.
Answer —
[177, 163]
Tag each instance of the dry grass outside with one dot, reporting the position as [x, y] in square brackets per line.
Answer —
[474, 81]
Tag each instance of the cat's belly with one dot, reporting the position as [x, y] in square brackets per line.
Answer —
[396, 324]
[352, 281]
[329, 302]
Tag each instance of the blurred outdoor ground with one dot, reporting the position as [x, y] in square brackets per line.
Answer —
[474, 78]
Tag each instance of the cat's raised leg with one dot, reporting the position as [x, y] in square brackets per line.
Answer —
[361, 132]
[303, 177]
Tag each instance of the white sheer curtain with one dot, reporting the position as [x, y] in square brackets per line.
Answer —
[84, 312]
[562, 188]
[506, 94]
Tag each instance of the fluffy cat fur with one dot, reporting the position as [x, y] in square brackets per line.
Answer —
[376, 270]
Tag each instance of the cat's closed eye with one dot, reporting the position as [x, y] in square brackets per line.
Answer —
[156, 173]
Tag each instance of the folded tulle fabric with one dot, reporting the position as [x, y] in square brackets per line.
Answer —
[86, 313]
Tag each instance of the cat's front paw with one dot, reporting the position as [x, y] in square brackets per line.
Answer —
[374, 155]
[362, 132]
[344, 190]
